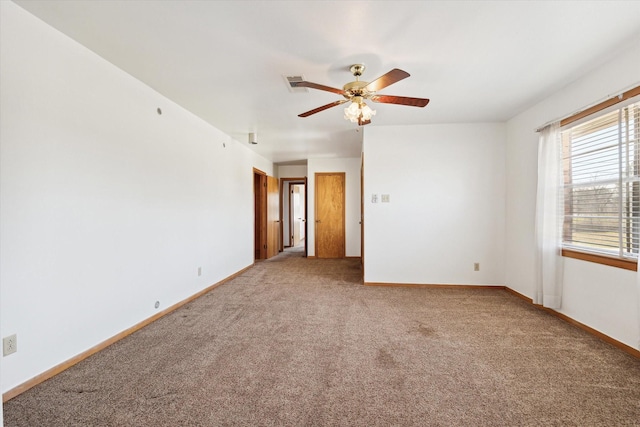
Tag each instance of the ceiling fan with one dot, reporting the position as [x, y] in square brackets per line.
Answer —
[357, 91]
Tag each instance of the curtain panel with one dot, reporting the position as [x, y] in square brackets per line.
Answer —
[549, 219]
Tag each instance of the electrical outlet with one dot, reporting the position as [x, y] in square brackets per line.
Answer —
[199, 271]
[374, 198]
[9, 345]
[476, 266]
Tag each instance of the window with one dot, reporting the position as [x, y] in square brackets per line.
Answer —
[601, 163]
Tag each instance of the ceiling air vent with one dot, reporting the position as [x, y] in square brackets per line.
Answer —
[293, 79]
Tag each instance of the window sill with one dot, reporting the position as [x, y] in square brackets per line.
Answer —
[601, 259]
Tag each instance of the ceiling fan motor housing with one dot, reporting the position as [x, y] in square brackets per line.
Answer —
[356, 88]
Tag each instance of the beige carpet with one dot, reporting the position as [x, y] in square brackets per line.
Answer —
[300, 342]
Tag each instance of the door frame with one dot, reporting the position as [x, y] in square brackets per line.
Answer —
[362, 212]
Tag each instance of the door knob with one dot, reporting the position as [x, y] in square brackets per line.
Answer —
[317, 220]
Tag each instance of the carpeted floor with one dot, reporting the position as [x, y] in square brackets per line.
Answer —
[300, 342]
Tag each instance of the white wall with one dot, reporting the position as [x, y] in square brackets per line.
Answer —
[292, 171]
[105, 206]
[351, 168]
[604, 298]
[447, 201]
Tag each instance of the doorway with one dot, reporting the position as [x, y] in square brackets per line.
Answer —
[293, 213]
[297, 214]
[330, 215]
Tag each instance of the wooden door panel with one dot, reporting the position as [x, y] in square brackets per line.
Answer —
[330, 215]
[273, 216]
[260, 204]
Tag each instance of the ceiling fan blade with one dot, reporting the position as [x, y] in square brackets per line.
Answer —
[385, 80]
[317, 86]
[324, 107]
[401, 100]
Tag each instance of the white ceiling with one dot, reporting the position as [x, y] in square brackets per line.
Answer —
[225, 61]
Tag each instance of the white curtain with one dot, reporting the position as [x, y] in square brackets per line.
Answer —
[549, 219]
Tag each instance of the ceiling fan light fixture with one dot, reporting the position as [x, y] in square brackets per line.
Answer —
[358, 111]
[367, 112]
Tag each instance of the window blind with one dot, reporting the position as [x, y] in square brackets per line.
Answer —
[601, 163]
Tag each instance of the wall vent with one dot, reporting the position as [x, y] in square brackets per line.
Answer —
[293, 79]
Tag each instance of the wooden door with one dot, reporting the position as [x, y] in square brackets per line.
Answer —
[260, 214]
[273, 217]
[330, 215]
